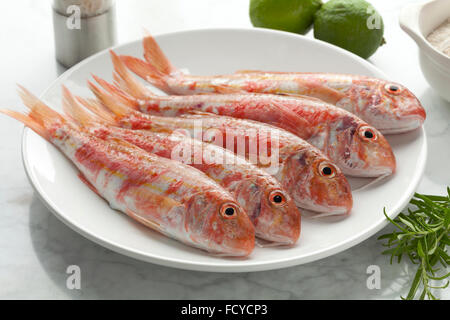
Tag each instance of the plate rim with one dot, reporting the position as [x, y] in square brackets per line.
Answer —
[218, 267]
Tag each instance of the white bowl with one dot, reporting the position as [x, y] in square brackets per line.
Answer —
[419, 20]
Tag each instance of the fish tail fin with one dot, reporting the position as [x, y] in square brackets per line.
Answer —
[38, 109]
[126, 81]
[27, 120]
[156, 57]
[147, 72]
[40, 118]
[74, 109]
[97, 108]
[108, 103]
[118, 93]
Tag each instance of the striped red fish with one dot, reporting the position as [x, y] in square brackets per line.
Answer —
[269, 207]
[388, 106]
[165, 195]
[356, 147]
[313, 181]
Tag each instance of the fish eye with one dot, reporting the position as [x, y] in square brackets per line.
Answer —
[277, 198]
[367, 133]
[228, 211]
[393, 88]
[326, 169]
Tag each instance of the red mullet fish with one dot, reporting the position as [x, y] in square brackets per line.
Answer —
[388, 106]
[165, 195]
[357, 148]
[270, 208]
[313, 181]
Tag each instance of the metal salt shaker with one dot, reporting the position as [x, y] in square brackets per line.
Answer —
[82, 28]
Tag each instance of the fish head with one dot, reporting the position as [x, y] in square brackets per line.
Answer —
[216, 221]
[317, 184]
[360, 150]
[271, 209]
[391, 107]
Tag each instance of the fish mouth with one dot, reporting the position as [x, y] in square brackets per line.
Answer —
[236, 251]
[338, 212]
[286, 238]
[370, 173]
[323, 210]
[274, 241]
[230, 254]
[409, 126]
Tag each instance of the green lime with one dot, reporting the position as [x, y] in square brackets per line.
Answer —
[354, 25]
[288, 15]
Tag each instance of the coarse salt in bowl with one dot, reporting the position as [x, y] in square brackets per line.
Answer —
[422, 22]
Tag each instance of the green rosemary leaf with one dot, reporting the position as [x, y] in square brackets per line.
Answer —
[422, 235]
[408, 223]
[415, 284]
[420, 250]
[441, 278]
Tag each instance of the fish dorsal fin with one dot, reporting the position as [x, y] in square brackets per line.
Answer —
[250, 71]
[322, 92]
[121, 143]
[224, 89]
[300, 96]
[267, 72]
[197, 113]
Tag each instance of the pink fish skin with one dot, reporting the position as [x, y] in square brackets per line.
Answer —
[168, 196]
[269, 207]
[314, 182]
[356, 147]
[388, 106]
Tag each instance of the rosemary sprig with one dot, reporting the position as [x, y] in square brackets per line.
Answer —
[422, 235]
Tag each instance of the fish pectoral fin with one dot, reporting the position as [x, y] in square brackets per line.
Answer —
[293, 121]
[90, 185]
[145, 221]
[151, 208]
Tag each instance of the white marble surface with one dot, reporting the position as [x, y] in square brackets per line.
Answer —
[36, 248]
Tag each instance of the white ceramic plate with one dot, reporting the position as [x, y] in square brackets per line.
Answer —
[216, 52]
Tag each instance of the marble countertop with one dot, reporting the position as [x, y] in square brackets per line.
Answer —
[36, 248]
